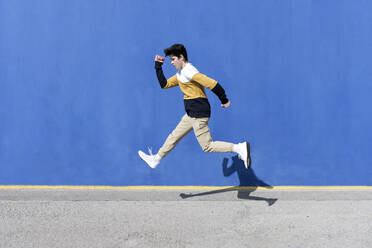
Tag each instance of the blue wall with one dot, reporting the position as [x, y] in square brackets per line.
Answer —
[79, 95]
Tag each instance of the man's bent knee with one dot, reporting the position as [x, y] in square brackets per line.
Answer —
[207, 148]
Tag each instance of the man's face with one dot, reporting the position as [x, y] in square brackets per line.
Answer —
[177, 62]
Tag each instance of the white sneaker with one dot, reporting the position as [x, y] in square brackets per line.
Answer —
[243, 150]
[151, 160]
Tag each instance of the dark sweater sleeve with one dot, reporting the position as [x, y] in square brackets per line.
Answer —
[159, 73]
[220, 92]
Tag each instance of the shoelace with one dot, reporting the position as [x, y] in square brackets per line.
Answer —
[150, 151]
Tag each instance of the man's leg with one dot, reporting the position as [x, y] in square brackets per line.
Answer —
[202, 133]
[183, 128]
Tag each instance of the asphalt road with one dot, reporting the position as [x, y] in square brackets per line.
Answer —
[186, 218]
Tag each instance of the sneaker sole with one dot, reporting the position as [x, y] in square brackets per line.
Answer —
[248, 155]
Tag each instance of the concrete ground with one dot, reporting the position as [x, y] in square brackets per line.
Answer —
[185, 218]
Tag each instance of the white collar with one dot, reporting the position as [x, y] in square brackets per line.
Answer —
[186, 73]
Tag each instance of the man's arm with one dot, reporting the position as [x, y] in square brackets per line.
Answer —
[164, 83]
[159, 73]
[215, 87]
[220, 92]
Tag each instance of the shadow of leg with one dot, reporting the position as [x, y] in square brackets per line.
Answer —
[184, 196]
[245, 194]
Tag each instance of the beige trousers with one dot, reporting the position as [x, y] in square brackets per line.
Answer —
[202, 133]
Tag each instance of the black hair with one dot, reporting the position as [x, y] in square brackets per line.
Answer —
[176, 50]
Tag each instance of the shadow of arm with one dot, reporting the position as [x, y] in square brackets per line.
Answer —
[227, 171]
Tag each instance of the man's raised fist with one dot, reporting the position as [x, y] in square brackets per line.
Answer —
[159, 58]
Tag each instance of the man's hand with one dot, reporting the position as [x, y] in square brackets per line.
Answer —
[159, 58]
[226, 105]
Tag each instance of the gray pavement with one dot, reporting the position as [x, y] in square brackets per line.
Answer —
[185, 218]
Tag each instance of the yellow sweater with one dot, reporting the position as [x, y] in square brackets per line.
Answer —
[192, 85]
[191, 82]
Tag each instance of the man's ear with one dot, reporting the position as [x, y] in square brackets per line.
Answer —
[182, 58]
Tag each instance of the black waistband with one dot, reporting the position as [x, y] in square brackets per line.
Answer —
[197, 107]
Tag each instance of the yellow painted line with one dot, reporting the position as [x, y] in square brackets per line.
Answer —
[91, 187]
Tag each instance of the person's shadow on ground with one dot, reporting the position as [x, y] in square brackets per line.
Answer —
[248, 182]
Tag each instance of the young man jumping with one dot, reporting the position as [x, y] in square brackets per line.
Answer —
[198, 109]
